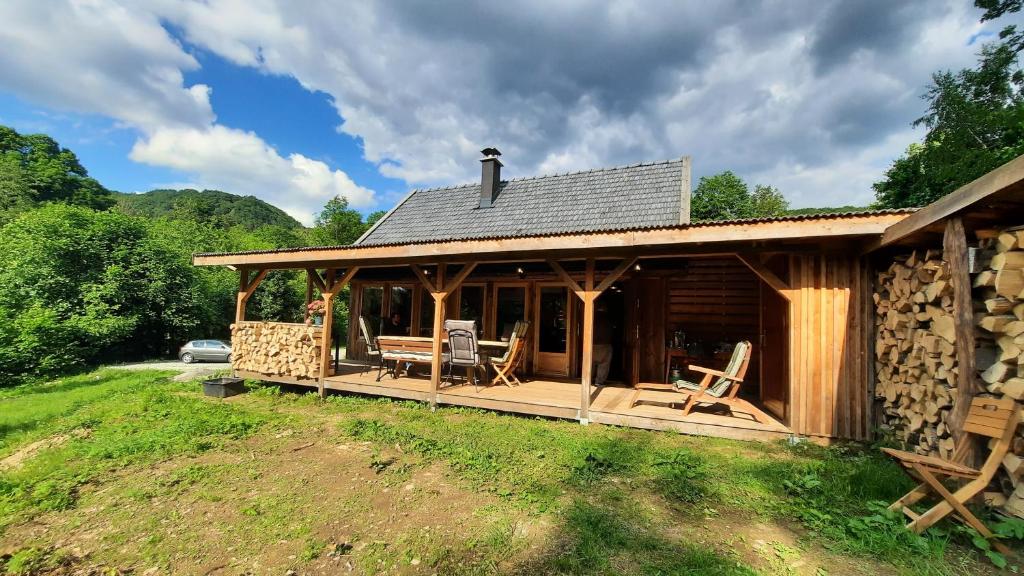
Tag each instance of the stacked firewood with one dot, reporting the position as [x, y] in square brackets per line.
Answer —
[915, 355]
[999, 314]
[276, 349]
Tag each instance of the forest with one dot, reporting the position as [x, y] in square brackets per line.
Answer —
[89, 276]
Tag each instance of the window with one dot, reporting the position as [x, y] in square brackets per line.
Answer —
[399, 313]
[371, 307]
[426, 314]
[471, 306]
[510, 307]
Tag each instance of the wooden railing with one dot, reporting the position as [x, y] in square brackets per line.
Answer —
[276, 349]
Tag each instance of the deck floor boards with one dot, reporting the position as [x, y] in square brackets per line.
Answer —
[561, 398]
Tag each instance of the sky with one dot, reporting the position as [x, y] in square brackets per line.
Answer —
[295, 103]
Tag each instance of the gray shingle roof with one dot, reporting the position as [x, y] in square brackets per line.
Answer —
[630, 197]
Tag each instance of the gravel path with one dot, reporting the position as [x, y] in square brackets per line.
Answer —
[187, 371]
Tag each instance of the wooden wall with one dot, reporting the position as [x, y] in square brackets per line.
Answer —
[716, 300]
[829, 385]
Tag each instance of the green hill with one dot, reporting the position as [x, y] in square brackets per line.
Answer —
[214, 206]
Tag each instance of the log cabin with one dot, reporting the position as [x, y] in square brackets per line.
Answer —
[613, 249]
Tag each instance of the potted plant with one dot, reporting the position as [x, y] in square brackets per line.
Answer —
[315, 312]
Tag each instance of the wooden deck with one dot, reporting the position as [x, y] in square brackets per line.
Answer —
[561, 399]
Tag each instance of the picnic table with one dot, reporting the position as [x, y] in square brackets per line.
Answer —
[418, 349]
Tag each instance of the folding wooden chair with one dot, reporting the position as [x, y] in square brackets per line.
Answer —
[987, 417]
[506, 365]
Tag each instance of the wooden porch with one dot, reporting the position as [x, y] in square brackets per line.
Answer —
[560, 398]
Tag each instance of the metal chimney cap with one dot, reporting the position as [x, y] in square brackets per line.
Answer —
[491, 152]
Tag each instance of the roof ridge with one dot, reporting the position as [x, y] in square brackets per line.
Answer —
[555, 175]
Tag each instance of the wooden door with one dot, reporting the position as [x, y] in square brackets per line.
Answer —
[774, 342]
[645, 330]
[651, 333]
[552, 321]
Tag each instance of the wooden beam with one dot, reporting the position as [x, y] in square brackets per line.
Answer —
[587, 342]
[423, 278]
[595, 243]
[318, 280]
[340, 284]
[995, 181]
[615, 274]
[954, 251]
[453, 284]
[255, 283]
[440, 295]
[246, 288]
[573, 285]
[325, 340]
[757, 267]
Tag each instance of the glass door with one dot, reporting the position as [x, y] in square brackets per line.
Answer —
[552, 329]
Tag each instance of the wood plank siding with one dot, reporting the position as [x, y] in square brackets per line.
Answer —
[829, 379]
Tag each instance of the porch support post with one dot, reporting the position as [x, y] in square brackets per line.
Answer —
[954, 251]
[438, 291]
[333, 287]
[589, 295]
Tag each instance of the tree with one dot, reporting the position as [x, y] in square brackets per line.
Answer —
[337, 224]
[974, 121]
[34, 168]
[726, 196]
[767, 201]
[723, 196]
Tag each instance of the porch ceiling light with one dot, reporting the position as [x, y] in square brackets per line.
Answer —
[520, 272]
[636, 267]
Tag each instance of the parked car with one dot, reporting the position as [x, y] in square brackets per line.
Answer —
[205, 350]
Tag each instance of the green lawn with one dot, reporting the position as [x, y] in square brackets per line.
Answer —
[130, 472]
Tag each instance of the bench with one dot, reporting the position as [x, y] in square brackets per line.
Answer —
[403, 349]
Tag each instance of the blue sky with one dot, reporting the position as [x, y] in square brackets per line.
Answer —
[297, 103]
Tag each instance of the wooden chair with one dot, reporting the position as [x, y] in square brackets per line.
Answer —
[724, 388]
[372, 349]
[987, 417]
[506, 365]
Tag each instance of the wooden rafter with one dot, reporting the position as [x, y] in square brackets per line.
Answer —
[573, 285]
[615, 274]
[340, 283]
[423, 278]
[770, 278]
[453, 284]
[317, 279]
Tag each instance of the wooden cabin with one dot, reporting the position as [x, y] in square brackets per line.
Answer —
[612, 248]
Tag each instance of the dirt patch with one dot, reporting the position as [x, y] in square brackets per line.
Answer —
[26, 452]
[291, 500]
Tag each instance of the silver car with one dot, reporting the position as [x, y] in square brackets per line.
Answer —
[196, 350]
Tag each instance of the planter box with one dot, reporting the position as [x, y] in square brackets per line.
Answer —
[223, 387]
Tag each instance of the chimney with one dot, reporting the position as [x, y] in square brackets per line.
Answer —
[490, 176]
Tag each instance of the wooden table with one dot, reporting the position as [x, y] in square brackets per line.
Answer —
[417, 342]
[481, 343]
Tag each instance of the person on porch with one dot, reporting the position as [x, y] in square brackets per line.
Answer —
[395, 326]
[602, 344]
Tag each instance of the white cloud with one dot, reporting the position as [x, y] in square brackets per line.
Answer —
[784, 90]
[102, 57]
[813, 97]
[227, 159]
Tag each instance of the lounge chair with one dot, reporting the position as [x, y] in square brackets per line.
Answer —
[463, 348]
[506, 365]
[723, 389]
[994, 418]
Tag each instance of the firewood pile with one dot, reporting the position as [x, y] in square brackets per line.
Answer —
[915, 355]
[999, 314]
[276, 349]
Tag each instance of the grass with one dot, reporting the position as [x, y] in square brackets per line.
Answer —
[161, 476]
